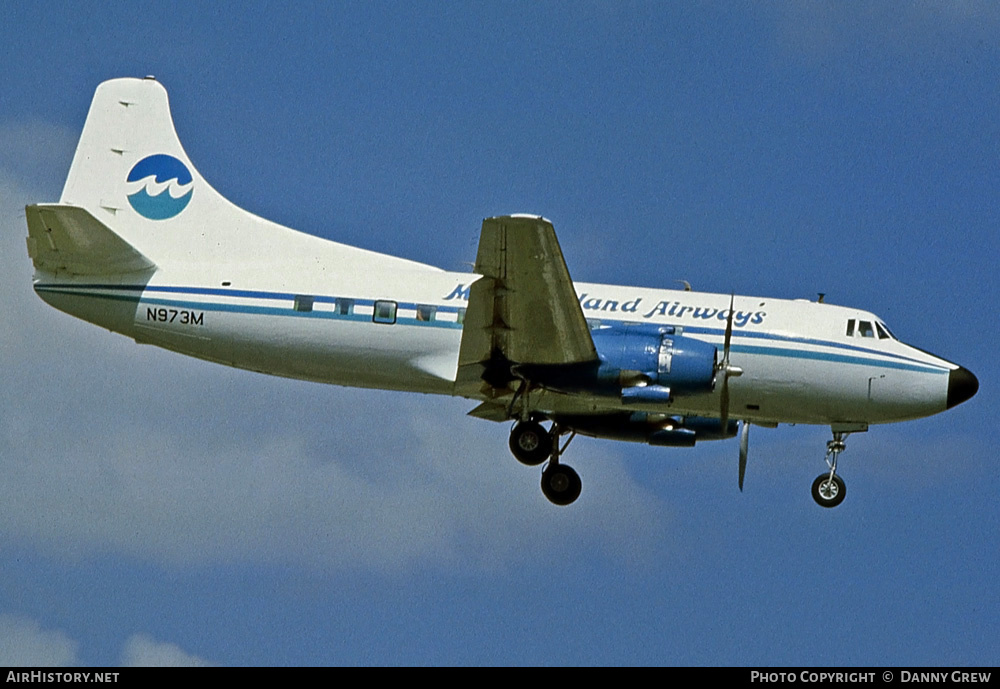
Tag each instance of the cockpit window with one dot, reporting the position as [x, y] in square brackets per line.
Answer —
[856, 328]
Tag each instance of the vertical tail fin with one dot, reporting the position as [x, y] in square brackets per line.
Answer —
[130, 171]
[128, 120]
[132, 174]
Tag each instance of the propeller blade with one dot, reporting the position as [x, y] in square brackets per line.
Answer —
[729, 330]
[744, 450]
[727, 370]
[724, 368]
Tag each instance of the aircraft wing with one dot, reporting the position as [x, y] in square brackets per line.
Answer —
[69, 239]
[524, 310]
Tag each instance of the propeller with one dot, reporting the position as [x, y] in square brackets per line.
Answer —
[727, 370]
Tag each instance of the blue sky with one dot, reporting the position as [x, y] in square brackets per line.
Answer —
[158, 509]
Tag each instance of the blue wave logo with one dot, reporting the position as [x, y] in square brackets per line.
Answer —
[165, 187]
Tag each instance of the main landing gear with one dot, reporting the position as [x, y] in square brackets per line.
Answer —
[829, 490]
[531, 444]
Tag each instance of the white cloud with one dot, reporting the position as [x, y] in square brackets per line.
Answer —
[168, 491]
[143, 651]
[23, 643]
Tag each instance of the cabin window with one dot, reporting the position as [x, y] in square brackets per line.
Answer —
[884, 332]
[865, 328]
[425, 313]
[303, 303]
[345, 307]
[385, 312]
[461, 316]
[850, 328]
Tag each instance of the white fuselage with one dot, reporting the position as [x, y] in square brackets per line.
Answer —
[320, 323]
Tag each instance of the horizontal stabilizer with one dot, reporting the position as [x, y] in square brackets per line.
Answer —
[68, 239]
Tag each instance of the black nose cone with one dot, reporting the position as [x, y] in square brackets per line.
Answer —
[961, 386]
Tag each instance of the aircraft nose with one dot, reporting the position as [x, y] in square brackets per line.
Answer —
[961, 386]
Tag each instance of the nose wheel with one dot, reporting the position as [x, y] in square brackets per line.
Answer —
[829, 490]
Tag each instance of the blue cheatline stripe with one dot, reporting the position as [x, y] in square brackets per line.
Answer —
[277, 311]
[720, 332]
[789, 353]
[138, 294]
[243, 294]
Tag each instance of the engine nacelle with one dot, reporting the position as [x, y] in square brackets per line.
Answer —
[654, 363]
[651, 428]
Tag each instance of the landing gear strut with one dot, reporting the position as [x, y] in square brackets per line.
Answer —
[829, 490]
[531, 444]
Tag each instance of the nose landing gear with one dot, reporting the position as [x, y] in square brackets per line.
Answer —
[829, 490]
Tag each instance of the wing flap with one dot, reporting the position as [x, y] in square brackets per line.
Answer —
[491, 411]
[68, 239]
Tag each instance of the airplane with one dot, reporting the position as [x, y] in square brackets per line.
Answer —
[139, 243]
